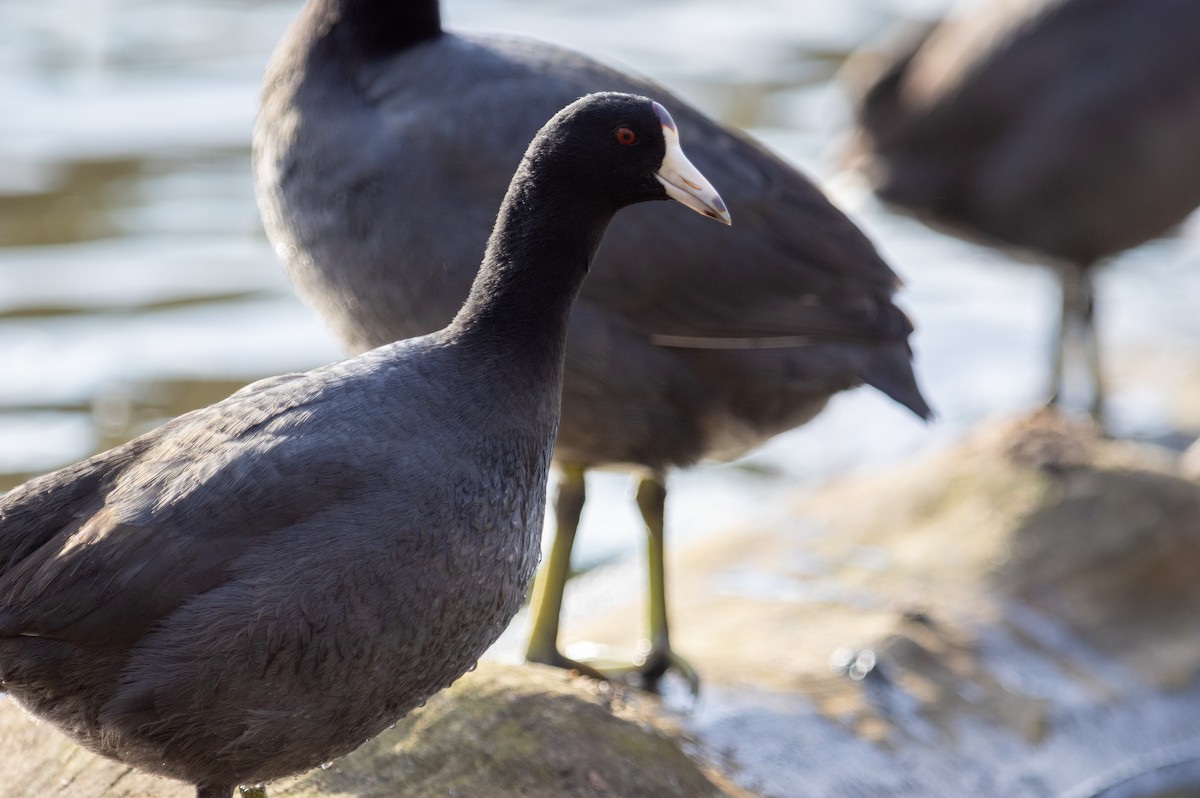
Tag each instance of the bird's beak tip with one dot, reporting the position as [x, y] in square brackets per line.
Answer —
[682, 181]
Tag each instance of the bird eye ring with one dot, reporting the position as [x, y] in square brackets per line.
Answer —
[626, 137]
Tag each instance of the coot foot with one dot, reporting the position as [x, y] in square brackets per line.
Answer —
[657, 663]
[557, 659]
[645, 673]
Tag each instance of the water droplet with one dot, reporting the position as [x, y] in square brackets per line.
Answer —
[864, 663]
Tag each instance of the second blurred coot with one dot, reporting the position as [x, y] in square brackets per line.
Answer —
[1067, 128]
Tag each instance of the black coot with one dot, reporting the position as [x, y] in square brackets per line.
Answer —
[688, 342]
[1067, 128]
[259, 586]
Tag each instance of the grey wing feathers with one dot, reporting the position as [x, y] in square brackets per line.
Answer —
[97, 551]
[33, 512]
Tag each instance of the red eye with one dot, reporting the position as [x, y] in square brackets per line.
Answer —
[626, 137]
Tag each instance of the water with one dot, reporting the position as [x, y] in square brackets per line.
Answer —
[135, 282]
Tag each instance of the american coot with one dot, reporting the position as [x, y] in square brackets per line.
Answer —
[688, 341]
[1065, 127]
[261, 585]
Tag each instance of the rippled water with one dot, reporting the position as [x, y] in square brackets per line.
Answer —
[135, 282]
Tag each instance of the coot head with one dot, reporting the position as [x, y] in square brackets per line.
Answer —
[622, 149]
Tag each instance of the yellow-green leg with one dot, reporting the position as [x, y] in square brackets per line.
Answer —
[551, 580]
[652, 500]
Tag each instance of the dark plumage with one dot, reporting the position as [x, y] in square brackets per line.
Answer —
[1065, 127]
[261, 585]
[689, 341]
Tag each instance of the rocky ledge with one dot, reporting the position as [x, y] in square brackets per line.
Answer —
[502, 730]
[1016, 617]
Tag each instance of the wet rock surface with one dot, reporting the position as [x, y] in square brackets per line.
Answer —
[1013, 617]
[500, 731]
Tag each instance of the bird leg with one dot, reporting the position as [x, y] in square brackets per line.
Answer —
[551, 581]
[257, 791]
[552, 578]
[1091, 344]
[651, 500]
[1077, 331]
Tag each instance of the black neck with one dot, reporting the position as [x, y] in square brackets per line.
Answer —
[375, 26]
[536, 259]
